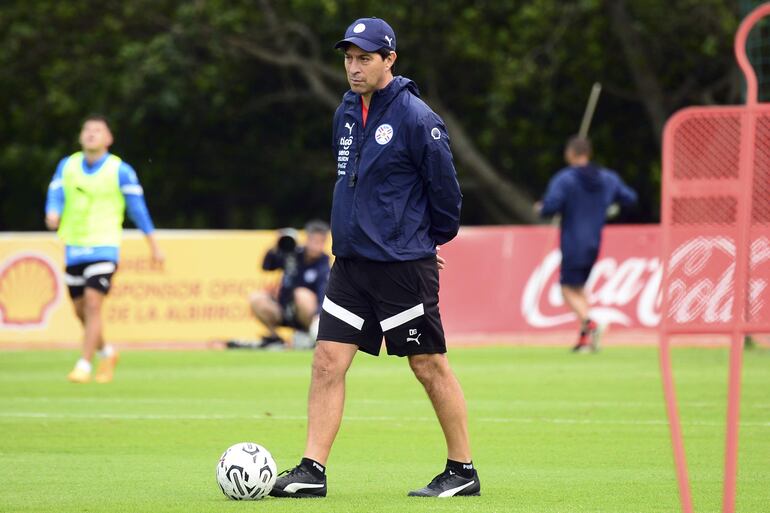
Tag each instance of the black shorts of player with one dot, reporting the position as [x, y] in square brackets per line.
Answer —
[94, 275]
[366, 300]
[574, 275]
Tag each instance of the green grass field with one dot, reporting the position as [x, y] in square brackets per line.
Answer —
[552, 431]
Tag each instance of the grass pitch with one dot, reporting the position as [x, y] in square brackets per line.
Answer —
[552, 431]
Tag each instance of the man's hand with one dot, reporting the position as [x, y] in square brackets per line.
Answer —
[52, 221]
[537, 207]
[440, 260]
[157, 256]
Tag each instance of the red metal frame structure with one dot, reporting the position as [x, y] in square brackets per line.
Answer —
[716, 242]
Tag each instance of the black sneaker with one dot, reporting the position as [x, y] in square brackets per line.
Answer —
[271, 343]
[242, 344]
[450, 484]
[298, 483]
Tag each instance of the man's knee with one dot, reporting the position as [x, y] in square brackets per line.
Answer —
[261, 301]
[329, 363]
[429, 367]
[305, 298]
[306, 303]
[257, 298]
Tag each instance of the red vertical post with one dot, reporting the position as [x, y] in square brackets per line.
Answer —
[742, 256]
[675, 427]
[733, 416]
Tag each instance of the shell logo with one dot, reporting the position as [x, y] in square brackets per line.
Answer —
[29, 288]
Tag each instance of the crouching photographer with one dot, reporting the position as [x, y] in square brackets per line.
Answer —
[298, 300]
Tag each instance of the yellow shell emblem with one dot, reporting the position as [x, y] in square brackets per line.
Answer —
[28, 288]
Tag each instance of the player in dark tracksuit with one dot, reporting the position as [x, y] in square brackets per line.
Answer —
[396, 198]
[581, 193]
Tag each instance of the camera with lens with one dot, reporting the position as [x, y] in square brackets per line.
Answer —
[287, 240]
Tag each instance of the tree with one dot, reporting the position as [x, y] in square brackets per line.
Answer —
[223, 106]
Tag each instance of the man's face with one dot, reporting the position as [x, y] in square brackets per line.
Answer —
[315, 244]
[573, 159]
[95, 136]
[367, 71]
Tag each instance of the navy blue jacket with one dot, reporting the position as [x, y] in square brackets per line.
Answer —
[582, 195]
[298, 273]
[396, 195]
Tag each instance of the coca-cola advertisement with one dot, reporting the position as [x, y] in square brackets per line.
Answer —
[504, 281]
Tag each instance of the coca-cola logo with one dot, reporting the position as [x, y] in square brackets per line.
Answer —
[702, 280]
[759, 271]
[627, 293]
[624, 293]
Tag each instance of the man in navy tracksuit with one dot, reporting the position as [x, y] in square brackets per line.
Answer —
[582, 193]
[396, 198]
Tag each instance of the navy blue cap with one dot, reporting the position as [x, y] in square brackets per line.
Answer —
[369, 34]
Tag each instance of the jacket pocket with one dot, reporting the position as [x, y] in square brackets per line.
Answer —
[391, 228]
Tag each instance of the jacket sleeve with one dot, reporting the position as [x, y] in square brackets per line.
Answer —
[555, 197]
[273, 260]
[54, 203]
[624, 194]
[335, 122]
[437, 169]
[134, 196]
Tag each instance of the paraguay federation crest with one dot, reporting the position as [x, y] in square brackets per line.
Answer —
[383, 134]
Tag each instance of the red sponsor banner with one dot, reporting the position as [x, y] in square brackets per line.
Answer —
[505, 280]
[500, 285]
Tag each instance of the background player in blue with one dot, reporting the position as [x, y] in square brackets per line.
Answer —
[87, 197]
[395, 199]
[298, 301]
[582, 193]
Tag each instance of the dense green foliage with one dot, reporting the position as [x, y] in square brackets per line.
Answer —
[552, 432]
[224, 107]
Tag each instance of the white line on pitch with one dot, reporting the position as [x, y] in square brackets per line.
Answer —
[497, 420]
[522, 402]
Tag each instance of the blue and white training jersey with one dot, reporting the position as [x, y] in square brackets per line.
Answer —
[136, 208]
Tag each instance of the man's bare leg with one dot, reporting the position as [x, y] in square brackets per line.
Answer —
[79, 304]
[89, 310]
[306, 304]
[92, 312]
[590, 332]
[326, 399]
[446, 395]
[266, 310]
[575, 298]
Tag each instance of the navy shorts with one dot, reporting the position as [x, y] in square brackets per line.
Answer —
[367, 300]
[94, 275]
[574, 276]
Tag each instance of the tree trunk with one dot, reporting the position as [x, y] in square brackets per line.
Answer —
[647, 85]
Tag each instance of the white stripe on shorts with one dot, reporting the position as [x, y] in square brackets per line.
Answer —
[97, 269]
[342, 314]
[403, 317]
[74, 281]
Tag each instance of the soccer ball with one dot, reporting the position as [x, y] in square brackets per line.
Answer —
[246, 471]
